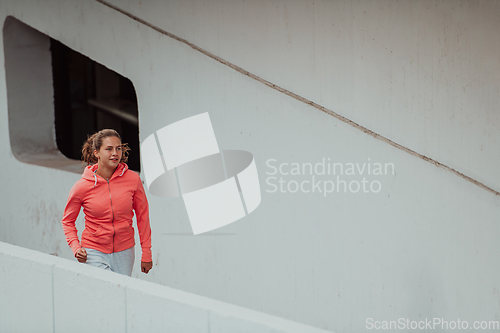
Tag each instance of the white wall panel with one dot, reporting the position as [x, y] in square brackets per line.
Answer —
[424, 246]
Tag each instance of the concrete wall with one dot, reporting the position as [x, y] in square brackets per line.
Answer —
[423, 74]
[43, 293]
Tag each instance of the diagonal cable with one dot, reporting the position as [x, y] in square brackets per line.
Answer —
[304, 100]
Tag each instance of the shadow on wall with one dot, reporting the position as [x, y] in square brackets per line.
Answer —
[57, 96]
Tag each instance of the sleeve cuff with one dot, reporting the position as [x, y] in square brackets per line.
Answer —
[75, 246]
[146, 255]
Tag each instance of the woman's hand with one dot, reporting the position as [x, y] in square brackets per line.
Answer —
[146, 266]
[81, 255]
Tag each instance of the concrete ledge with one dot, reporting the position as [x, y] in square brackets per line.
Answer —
[44, 293]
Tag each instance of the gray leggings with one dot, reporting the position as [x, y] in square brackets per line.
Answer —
[120, 262]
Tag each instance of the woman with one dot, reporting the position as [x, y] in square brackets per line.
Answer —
[108, 191]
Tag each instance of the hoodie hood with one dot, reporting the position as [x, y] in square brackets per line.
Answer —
[89, 173]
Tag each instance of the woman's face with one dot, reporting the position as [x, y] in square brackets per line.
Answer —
[110, 153]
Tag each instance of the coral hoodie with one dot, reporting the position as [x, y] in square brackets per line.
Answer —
[107, 206]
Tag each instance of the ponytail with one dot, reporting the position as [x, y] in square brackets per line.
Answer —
[88, 150]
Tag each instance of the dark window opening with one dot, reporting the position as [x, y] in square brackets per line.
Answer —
[89, 97]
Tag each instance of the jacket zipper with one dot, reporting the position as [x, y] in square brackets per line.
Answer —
[112, 210]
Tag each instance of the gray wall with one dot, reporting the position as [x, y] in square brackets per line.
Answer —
[65, 295]
[423, 74]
